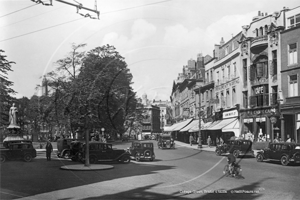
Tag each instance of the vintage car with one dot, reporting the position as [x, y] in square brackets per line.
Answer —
[99, 151]
[63, 147]
[165, 141]
[16, 151]
[239, 147]
[142, 150]
[284, 152]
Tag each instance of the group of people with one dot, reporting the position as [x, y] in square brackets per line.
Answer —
[209, 140]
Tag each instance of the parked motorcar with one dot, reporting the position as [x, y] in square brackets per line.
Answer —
[284, 152]
[16, 151]
[64, 147]
[240, 147]
[165, 141]
[140, 150]
[99, 151]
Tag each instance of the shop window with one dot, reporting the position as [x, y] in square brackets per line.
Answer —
[293, 86]
[292, 53]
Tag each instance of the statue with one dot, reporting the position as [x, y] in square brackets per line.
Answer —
[13, 117]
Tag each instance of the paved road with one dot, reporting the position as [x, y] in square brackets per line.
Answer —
[182, 173]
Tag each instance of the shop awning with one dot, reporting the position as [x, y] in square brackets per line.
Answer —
[190, 125]
[234, 125]
[178, 126]
[218, 125]
[168, 128]
[203, 126]
[182, 124]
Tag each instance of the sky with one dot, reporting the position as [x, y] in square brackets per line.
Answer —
[156, 37]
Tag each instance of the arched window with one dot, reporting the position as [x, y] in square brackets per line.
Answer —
[266, 29]
[261, 31]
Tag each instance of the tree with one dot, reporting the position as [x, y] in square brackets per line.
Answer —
[93, 89]
[5, 89]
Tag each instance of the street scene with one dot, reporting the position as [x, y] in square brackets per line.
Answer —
[183, 173]
[149, 99]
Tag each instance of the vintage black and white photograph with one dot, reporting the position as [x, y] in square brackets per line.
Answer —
[149, 99]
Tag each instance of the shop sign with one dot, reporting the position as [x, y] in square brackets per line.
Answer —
[273, 120]
[268, 111]
[259, 90]
[248, 120]
[229, 114]
[260, 119]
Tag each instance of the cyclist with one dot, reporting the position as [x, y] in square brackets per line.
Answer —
[231, 162]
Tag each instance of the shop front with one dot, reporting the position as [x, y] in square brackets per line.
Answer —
[263, 123]
[218, 130]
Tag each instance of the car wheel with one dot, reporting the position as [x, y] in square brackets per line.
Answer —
[284, 160]
[126, 159]
[218, 152]
[137, 157]
[259, 158]
[147, 153]
[236, 153]
[28, 158]
[67, 155]
[2, 158]
[93, 159]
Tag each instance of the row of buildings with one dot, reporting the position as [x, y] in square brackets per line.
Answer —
[249, 85]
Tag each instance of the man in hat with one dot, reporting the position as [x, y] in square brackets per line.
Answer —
[49, 150]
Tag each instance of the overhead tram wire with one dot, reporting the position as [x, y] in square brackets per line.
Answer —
[41, 29]
[18, 10]
[32, 17]
[80, 19]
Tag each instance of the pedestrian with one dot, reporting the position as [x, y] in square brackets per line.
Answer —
[209, 141]
[217, 141]
[49, 150]
[276, 140]
[191, 139]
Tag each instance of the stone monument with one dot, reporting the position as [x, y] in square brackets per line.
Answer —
[13, 128]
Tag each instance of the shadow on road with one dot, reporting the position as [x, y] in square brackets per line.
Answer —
[41, 176]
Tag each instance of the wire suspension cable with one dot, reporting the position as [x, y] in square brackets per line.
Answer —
[18, 10]
[41, 29]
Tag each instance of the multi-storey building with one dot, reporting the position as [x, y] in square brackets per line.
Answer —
[290, 73]
[164, 115]
[220, 95]
[261, 67]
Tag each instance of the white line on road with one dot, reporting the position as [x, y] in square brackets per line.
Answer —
[195, 177]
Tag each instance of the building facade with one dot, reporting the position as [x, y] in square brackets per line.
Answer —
[290, 73]
[260, 50]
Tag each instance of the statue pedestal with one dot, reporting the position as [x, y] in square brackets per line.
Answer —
[14, 134]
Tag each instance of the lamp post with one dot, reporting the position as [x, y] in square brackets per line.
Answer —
[200, 137]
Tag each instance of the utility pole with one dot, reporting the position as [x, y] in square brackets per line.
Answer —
[200, 137]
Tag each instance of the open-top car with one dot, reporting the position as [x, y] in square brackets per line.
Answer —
[142, 150]
[238, 148]
[99, 151]
[165, 141]
[284, 152]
